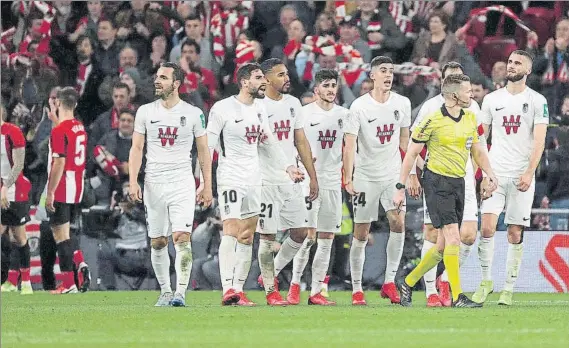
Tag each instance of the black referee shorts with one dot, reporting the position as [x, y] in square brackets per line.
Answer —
[17, 214]
[444, 197]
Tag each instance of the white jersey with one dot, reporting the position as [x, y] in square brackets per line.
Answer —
[378, 128]
[169, 138]
[512, 118]
[239, 128]
[283, 117]
[325, 133]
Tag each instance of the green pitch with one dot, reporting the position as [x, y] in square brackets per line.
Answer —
[128, 319]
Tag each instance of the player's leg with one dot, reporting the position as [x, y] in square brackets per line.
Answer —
[181, 207]
[272, 202]
[59, 221]
[491, 209]
[430, 235]
[11, 284]
[250, 210]
[329, 223]
[158, 228]
[518, 216]
[23, 252]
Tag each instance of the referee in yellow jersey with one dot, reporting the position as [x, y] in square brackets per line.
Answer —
[450, 135]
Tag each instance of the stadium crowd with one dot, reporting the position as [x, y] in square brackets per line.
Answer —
[110, 51]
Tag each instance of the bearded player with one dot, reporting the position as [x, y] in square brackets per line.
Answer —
[236, 127]
[519, 117]
[282, 201]
[378, 127]
[469, 226]
[14, 204]
[169, 126]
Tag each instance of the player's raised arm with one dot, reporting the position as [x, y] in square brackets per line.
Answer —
[135, 155]
[58, 145]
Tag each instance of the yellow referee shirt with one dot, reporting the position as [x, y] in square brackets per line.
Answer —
[448, 141]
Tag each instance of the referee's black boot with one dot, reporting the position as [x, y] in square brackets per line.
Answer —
[465, 302]
[406, 294]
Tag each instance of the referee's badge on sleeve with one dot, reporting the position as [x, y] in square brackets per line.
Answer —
[469, 143]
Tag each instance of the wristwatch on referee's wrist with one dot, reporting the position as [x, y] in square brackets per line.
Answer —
[399, 186]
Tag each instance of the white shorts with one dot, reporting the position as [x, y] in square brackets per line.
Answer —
[516, 203]
[325, 212]
[239, 202]
[470, 204]
[282, 207]
[370, 194]
[169, 207]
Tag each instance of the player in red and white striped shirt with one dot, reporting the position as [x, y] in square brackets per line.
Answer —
[14, 203]
[66, 170]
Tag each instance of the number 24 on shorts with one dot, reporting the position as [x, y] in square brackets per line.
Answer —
[360, 199]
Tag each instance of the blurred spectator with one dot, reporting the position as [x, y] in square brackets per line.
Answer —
[159, 49]
[499, 75]
[349, 35]
[88, 25]
[108, 49]
[197, 79]
[479, 91]
[295, 36]
[228, 20]
[109, 120]
[367, 86]
[437, 46]
[205, 268]
[409, 88]
[277, 36]
[307, 98]
[128, 58]
[326, 25]
[558, 181]
[130, 255]
[139, 93]
[194, 28]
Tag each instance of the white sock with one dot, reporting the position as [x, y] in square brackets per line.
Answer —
[357, 260]
[161, 263]
[486, 255]
[183, 265]
[300, 260]
[431, 276]
[513, 263]
[463, 253]
[288, 250]
[320, 264]
[266, 264]
[243, 255]
[394, 252]
[227, 261]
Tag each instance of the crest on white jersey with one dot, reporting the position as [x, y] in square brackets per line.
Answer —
[260, 117]
[183, 121]
[396, 115]
[340, 123]
[292, 113]
[525, 108]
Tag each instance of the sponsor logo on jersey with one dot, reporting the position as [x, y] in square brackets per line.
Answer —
[511, 124]
[252, 134]
[168, 135]
[396, 115]
[545, 111]
[327, 138]
[282, 129]
[525, 108]
[385, 133]
[183, 121]
[202, 118]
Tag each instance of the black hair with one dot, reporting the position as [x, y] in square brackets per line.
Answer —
[377, 61]
[190, 42]
[127, 111]
[120, 85]
[269, 64]
[68, 97]
[177, 74]
[245, 72]
[523, 53]
[450, 65]
[325, 74]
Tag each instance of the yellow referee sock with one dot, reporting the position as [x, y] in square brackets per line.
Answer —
[431, 259]
[451, 264]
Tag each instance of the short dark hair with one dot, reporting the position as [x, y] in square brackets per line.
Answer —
[269, 64]
[450, 65]
[121, 85]
[193, 17]
[245, 71]
[82, 38]
[127, 111]
[445, 19]
[477, 81]
[108, 19]
[525, 54]
[377, 61]
[191, 42]
[68, 97]
[177, 74]
[325, 74]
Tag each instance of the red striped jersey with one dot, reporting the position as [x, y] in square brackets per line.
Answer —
[69, 140]
[13, 138]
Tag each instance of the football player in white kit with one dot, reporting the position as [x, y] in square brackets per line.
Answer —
[325, 132]
[379, 122]
[469, 225]
[239, 124]
[283, 204]
[519, 117]
[168, 126]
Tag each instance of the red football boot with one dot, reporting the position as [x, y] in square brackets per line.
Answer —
[358, 299]
[444, 292]
[434, 301]
[244, 301]
[389, 290]
[275, 299]
[320, 300]
[230, 298]
[262, 283]
[293, 296]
